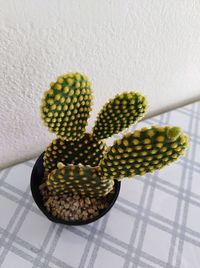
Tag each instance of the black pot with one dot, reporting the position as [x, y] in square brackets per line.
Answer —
[36, 179]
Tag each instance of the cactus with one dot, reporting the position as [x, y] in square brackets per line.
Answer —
[66, 106]
[80, 162]
[119, 113]
[143, 151]
[87, 151]
[78, 179]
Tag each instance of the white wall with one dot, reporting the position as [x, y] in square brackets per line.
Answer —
[152, 46]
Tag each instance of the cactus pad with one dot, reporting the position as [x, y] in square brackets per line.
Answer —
[119, 113]
[87, 151]
[80, 162]
[143, 151]
[66, 106]
[78, 179]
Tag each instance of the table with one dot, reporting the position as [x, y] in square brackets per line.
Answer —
[154, 223]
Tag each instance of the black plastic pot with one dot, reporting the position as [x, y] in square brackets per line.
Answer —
[36, 180]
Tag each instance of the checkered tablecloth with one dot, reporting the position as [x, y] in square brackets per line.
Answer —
[154, 223]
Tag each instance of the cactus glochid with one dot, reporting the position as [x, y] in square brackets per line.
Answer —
[78, 162]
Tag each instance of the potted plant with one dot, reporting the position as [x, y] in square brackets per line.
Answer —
[77, 179]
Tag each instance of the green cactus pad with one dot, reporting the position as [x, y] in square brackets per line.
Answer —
[66, 106]
[87, 151]
[143, 151]
[78, 179]
[119, 113]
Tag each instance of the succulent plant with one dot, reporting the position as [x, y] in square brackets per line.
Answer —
[119, 113]
[80, 162]
[87, 151]
[66, 106]
[143, 151]
[79, 179]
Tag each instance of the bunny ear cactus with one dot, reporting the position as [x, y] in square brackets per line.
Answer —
[66, 106]
[87, 151]
[78, 179]
[78, 162]
[135, 154]
[119, 113]
[143, 151]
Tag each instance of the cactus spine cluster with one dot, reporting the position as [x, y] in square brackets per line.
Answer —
[80, 162]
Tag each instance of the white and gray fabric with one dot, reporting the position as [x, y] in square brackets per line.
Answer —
[154, 223]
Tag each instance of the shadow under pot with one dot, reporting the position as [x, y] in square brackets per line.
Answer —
[36, 180]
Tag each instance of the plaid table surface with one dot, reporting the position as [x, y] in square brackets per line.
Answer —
[154, 223]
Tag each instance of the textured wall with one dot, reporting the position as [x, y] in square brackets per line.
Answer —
[153, 46]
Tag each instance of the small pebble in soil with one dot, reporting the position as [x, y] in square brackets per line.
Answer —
[75, 207]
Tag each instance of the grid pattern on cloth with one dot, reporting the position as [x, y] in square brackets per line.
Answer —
[154, 223]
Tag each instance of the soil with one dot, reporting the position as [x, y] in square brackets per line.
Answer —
[74, 207]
